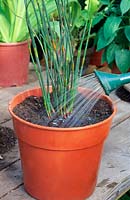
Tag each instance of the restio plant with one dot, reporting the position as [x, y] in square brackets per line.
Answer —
[56, 41]
[114, 34]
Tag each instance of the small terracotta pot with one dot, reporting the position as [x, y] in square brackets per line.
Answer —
[59, 163]
[96, 58]
[14, 61]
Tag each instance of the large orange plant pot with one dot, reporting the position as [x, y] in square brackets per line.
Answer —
[14, 61]
[59, 163]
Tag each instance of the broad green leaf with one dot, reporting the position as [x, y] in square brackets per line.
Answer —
[124, 6]
[92, 7]
[74, 5]
[19, 21]
[111, 26]
[4, 26]
[13, 22]
[80, 22]
[105, 2]
[51, 5]
[75, 12]
[13, 27]
[97, 18]
[121, 39]
[102, 42]
[122, 58]
[10, 10]
[127, 32]
[110, 52]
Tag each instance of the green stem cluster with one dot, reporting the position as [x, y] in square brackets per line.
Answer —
[62, 70]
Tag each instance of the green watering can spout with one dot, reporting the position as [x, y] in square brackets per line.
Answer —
[111, 82]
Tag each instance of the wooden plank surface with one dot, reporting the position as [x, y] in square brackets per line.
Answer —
[115, 165]
[17, 194]
[10, 178]
[6, 94]
[123, 112]
[10, 157]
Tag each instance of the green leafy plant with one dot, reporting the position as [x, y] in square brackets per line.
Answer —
[56, 41]
[83, 17]
[13, 27]
[114, 34]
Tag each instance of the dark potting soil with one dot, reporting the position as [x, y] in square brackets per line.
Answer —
[32, 110]
[7, 139]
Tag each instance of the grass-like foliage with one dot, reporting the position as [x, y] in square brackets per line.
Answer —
[55, 25]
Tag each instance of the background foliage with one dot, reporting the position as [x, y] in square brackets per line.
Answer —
[114, 34]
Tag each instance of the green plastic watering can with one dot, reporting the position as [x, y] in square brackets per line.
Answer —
[110, 82]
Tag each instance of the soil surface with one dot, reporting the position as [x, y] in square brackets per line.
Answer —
[7, 139]
[32, 110]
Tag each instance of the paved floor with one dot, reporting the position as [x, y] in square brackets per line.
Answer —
[115, 167]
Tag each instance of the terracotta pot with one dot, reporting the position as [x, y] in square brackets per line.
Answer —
[59, 163]
[96, 58]
[14, 61]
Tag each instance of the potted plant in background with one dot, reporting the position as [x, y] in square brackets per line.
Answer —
[14, 38]
[60, 159]
[93, 57]
[114, 36]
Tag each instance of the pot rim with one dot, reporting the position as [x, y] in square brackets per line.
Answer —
[10, 108]
[14, 43]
